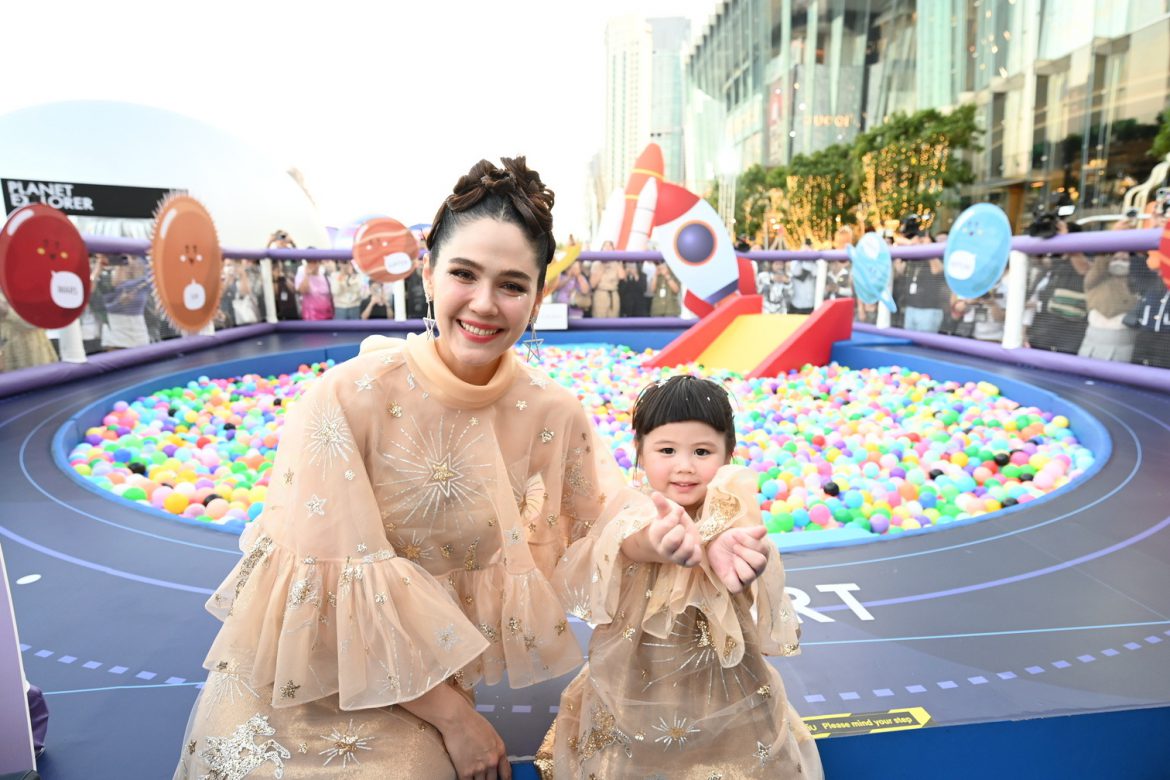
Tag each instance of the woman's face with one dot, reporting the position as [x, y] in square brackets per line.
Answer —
[483, 285]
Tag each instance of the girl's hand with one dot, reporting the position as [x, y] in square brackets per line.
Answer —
[673, 535]
[738, 556]
[476, 749]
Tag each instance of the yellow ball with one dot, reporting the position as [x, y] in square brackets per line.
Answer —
[175, 503]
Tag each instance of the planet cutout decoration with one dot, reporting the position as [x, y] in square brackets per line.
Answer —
[44, 266]
[871, 270]
[187, 262]
[384, 249]
[977, 250]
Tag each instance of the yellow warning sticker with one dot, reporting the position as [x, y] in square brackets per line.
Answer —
[821, 726]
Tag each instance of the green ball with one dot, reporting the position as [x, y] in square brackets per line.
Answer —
[135, 494]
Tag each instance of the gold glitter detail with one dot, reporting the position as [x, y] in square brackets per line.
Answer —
[406, 580]
[489, 633]
[729, 647]
[676, 731]
[395, 409]
[379, 598]
[469, 599]
[546, 436]
[629, 633]
[639, 736]
[790, 649]
[345, 744]
[514, 625]
[289, 690]
[722, 511]
[762, 752]
[704, 630]
[303, 748]
[561, 626]
[288, 476]
[529, 642]
[551, 520]
[471, 560]
[603, 733]
[221, 666]
[191, 747]
[446, 550]
[764, 691]
[412, 552]
[473, 421]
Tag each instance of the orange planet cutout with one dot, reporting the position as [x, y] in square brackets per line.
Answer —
[1159, 259]
[384, 249]
[187, 262]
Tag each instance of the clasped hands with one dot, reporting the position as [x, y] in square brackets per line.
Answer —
[737, 556]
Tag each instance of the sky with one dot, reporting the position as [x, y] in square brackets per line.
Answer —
[381, 106]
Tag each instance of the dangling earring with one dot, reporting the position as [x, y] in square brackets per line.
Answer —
[429, 320]
[533, 343]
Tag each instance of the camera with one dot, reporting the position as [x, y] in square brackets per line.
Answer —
[910, 226]
[1131, 214]
[1046, 216]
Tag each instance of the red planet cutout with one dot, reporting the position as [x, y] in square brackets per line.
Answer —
[384, 250]
[1162, 256]
[187, 262]
[44, 266]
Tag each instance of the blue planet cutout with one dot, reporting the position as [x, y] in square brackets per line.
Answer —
[977, 250]
[871, 270]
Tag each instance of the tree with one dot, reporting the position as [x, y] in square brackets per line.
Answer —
[751, 200]
[815, 198]
[905, 165]
[1161, 146]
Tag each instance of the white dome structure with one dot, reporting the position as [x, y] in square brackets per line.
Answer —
[105, 142]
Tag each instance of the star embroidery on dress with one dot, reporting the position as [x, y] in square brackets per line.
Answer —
[678, 731]
[345, 743]
[540, 382]
[546, 436]
[289, 690]
[387, 359]
[288, 476]
[316, 506]
[349, 475]
[762, 752]
[395, 409]
[442, 474]
[366, 382]
[361, 548]
[328, 435]
[473, 421]
[410, 381]
[521, 405]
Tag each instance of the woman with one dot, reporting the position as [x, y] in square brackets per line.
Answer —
[665, 286]
[632, 293]
[346, 288]
[604, 278]
[313, 286]
[425, 491]
[572, 289]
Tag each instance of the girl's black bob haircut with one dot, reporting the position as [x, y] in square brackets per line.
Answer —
[684, 398]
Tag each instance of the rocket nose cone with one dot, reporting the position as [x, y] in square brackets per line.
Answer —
[651, 159]
[673, 202]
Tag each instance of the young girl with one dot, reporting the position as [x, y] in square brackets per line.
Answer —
[677, 685]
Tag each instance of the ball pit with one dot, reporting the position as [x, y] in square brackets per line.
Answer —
[879, 451]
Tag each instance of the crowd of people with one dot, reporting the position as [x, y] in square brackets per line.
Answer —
[1110, 307]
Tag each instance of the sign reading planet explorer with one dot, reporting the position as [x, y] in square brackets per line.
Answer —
[384, 249]
[977, 250]
[186, 261]
[44, 266]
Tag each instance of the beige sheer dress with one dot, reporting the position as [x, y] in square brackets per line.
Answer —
[677, 685]
[412, 525]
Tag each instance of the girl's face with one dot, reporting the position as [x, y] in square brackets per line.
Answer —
[484, 290]
[680, 460]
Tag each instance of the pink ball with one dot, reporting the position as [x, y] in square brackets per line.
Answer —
[820, 514]
[217, 508]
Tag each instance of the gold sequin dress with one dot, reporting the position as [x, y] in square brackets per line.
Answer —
[677, 685]
[412, 525]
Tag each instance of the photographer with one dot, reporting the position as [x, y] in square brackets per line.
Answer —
[1109, 298]
[925, 295]
[983, 317]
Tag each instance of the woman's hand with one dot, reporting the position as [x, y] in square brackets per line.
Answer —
[476, 749]
[738, 556]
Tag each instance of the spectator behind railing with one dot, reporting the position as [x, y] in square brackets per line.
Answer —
[125, 304]
[1109, 298]
[345, 285]
[312, 282]
[21, 345]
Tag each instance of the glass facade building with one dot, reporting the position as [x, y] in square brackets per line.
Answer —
[1069, 92]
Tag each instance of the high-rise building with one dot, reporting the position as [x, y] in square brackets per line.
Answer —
[628, 49]
[644, 94]
[1068, 94]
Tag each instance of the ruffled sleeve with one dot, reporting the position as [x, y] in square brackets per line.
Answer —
[321, 603]
[730, 502]
[599, 512]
